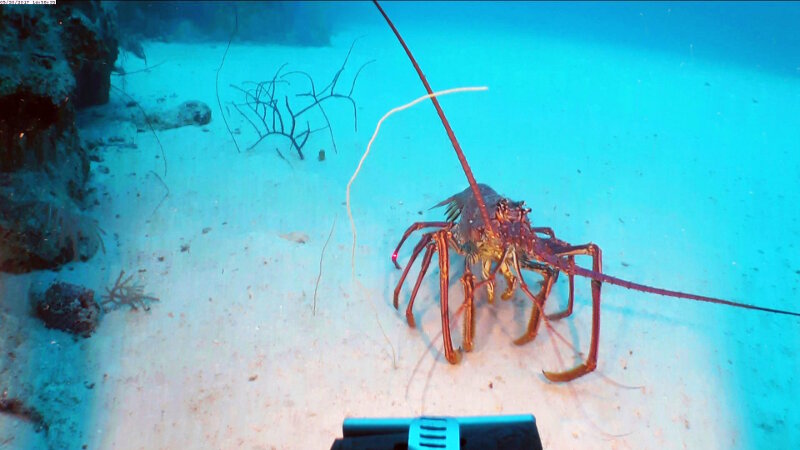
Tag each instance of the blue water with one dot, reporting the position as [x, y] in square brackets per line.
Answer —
[684, 115]
[661, 119]
[756, 35]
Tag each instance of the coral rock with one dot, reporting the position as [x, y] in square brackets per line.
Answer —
[39, 229]
[69, 307]
[187, 113]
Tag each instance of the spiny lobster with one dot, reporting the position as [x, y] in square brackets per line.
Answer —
[507, 240]
[511, 244]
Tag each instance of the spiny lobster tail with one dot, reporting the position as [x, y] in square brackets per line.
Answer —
[460, 154]
[576, 270]
[453, 211]
[454, 207]
[466, 199]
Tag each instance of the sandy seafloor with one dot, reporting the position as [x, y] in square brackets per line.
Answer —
[684, 170]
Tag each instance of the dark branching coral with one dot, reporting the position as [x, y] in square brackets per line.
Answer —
[124, 293]
[270, 112]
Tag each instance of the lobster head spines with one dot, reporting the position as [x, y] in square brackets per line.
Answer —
[513, 225]
[508, 212]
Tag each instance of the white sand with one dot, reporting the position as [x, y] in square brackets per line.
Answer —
[683, 185]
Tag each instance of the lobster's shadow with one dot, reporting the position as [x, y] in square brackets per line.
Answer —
[510, 319]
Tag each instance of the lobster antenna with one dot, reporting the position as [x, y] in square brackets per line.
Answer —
[461, 158]
[575, 270]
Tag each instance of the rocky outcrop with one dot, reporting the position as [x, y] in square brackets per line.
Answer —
[90, 41]
[53, 60]
[187, 113]
[40, 228]
[68, 307]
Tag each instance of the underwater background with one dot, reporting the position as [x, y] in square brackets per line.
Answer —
[222, 304]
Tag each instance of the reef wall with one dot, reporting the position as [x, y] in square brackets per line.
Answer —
[53, 61]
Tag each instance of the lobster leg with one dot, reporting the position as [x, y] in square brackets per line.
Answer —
[441, 238]
[544, 230]
[414, 227]
[426, 239]
[549, 276]
[489, 273]
[468, 280]
[565, 313]
[511, 281]
[488, 277]
[426, 261]
[568, 310]
[591, 360]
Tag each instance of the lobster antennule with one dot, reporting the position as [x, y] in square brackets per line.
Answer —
[575, 270]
